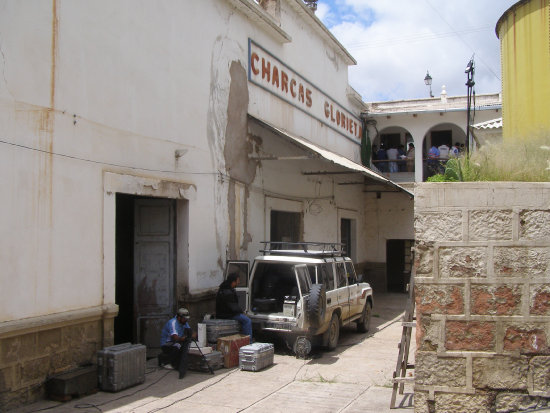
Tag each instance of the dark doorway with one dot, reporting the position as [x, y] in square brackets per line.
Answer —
[286, 226]
[345, 236]
[391, 140]
[398, 264]
[124, 267]
[442, 137]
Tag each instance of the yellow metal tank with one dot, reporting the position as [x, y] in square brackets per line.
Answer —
[524, 36]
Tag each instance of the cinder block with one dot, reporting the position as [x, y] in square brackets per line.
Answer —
[527, 338]
[463, 403]
[438, 226]
[500, 372]
[534, 225]
[463, 262]
[496, 299]
[431, 370]
[521, 261]
[492, 224]
[439, 299]
[470, 335]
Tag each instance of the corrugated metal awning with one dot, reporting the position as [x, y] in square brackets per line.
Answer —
[326, 155]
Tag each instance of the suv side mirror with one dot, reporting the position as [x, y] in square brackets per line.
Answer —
[360, 278]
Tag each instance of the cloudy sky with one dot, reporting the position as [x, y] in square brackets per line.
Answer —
[396, 41]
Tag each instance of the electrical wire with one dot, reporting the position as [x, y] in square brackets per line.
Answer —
[102, 162]
[420, 37]
[192, 394]
[462, 39]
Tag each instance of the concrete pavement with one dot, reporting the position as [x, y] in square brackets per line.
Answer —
[356, 377]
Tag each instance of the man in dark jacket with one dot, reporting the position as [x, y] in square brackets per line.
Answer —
[227, 304]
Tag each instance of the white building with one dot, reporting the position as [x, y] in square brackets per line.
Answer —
[431, 121]
[145, 143]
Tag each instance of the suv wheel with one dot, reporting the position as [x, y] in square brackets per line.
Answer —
[364, 322]
[317, 304]
[333, 332]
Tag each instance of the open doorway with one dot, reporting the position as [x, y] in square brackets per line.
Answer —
[145, 268]
[398, 264]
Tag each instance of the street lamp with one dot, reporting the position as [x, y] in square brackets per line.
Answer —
[428, 82]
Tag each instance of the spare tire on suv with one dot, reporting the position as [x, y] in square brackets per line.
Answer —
[316, 304]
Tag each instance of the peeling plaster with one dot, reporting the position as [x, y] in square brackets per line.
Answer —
[224, 53]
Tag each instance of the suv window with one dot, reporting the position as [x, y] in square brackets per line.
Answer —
[312, 273]
[352, 277]
[341, 274]
[303, 278]
[326, 276]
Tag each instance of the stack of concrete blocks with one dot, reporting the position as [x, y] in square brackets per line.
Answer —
[482, 296]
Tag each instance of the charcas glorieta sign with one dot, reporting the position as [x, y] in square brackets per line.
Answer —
[271, 74]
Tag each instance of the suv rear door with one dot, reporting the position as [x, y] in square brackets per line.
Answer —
[242, 268]
[356, 306]
[342, 288]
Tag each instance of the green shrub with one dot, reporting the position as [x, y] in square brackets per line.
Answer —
[509, 161]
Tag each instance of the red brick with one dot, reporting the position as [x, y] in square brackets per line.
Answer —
[527, 339]
[469, 335]
[439, 299]
[492, 300]
[540, 302]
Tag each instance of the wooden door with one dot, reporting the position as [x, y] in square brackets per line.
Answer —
[154, 298]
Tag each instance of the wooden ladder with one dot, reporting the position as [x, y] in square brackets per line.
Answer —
[400, 374]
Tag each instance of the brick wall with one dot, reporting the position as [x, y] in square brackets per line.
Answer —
[482, 296]
[28, 356]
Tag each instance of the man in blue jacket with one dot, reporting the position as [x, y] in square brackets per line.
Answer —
[175, 339]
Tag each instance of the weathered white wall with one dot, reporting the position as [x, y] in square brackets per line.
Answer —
[119, 87]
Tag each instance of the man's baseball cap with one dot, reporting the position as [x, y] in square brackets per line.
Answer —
[183, 312]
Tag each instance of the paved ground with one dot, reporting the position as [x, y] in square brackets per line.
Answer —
[356, 377]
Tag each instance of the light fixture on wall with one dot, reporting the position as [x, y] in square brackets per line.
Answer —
[428, 82]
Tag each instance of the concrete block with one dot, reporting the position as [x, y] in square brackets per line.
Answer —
[424, 258]
[534, 225]
[439, 299]
[500, 372]
[539, 372]
[427, 333]
[490, 225]
[539, 299]
[526, 338]
[462, 262]
[438, 226]
[517, 402]
[521, 261]
[470, 335]
[431, 370]
[35, 370]
[421, 402]
[463, 403]
[496, 299]
[13, 349]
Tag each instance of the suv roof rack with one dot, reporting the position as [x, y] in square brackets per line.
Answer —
[317, 249]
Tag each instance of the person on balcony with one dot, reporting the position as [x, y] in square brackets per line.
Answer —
[433, 160]
[410, 158]
[392, 155]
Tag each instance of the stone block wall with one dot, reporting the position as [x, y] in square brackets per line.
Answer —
[482, 290]
[32, 350]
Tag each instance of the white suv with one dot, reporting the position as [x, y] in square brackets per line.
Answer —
[303, 292]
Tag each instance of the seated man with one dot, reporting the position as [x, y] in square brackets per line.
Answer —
[175, 338]
[227, 304]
